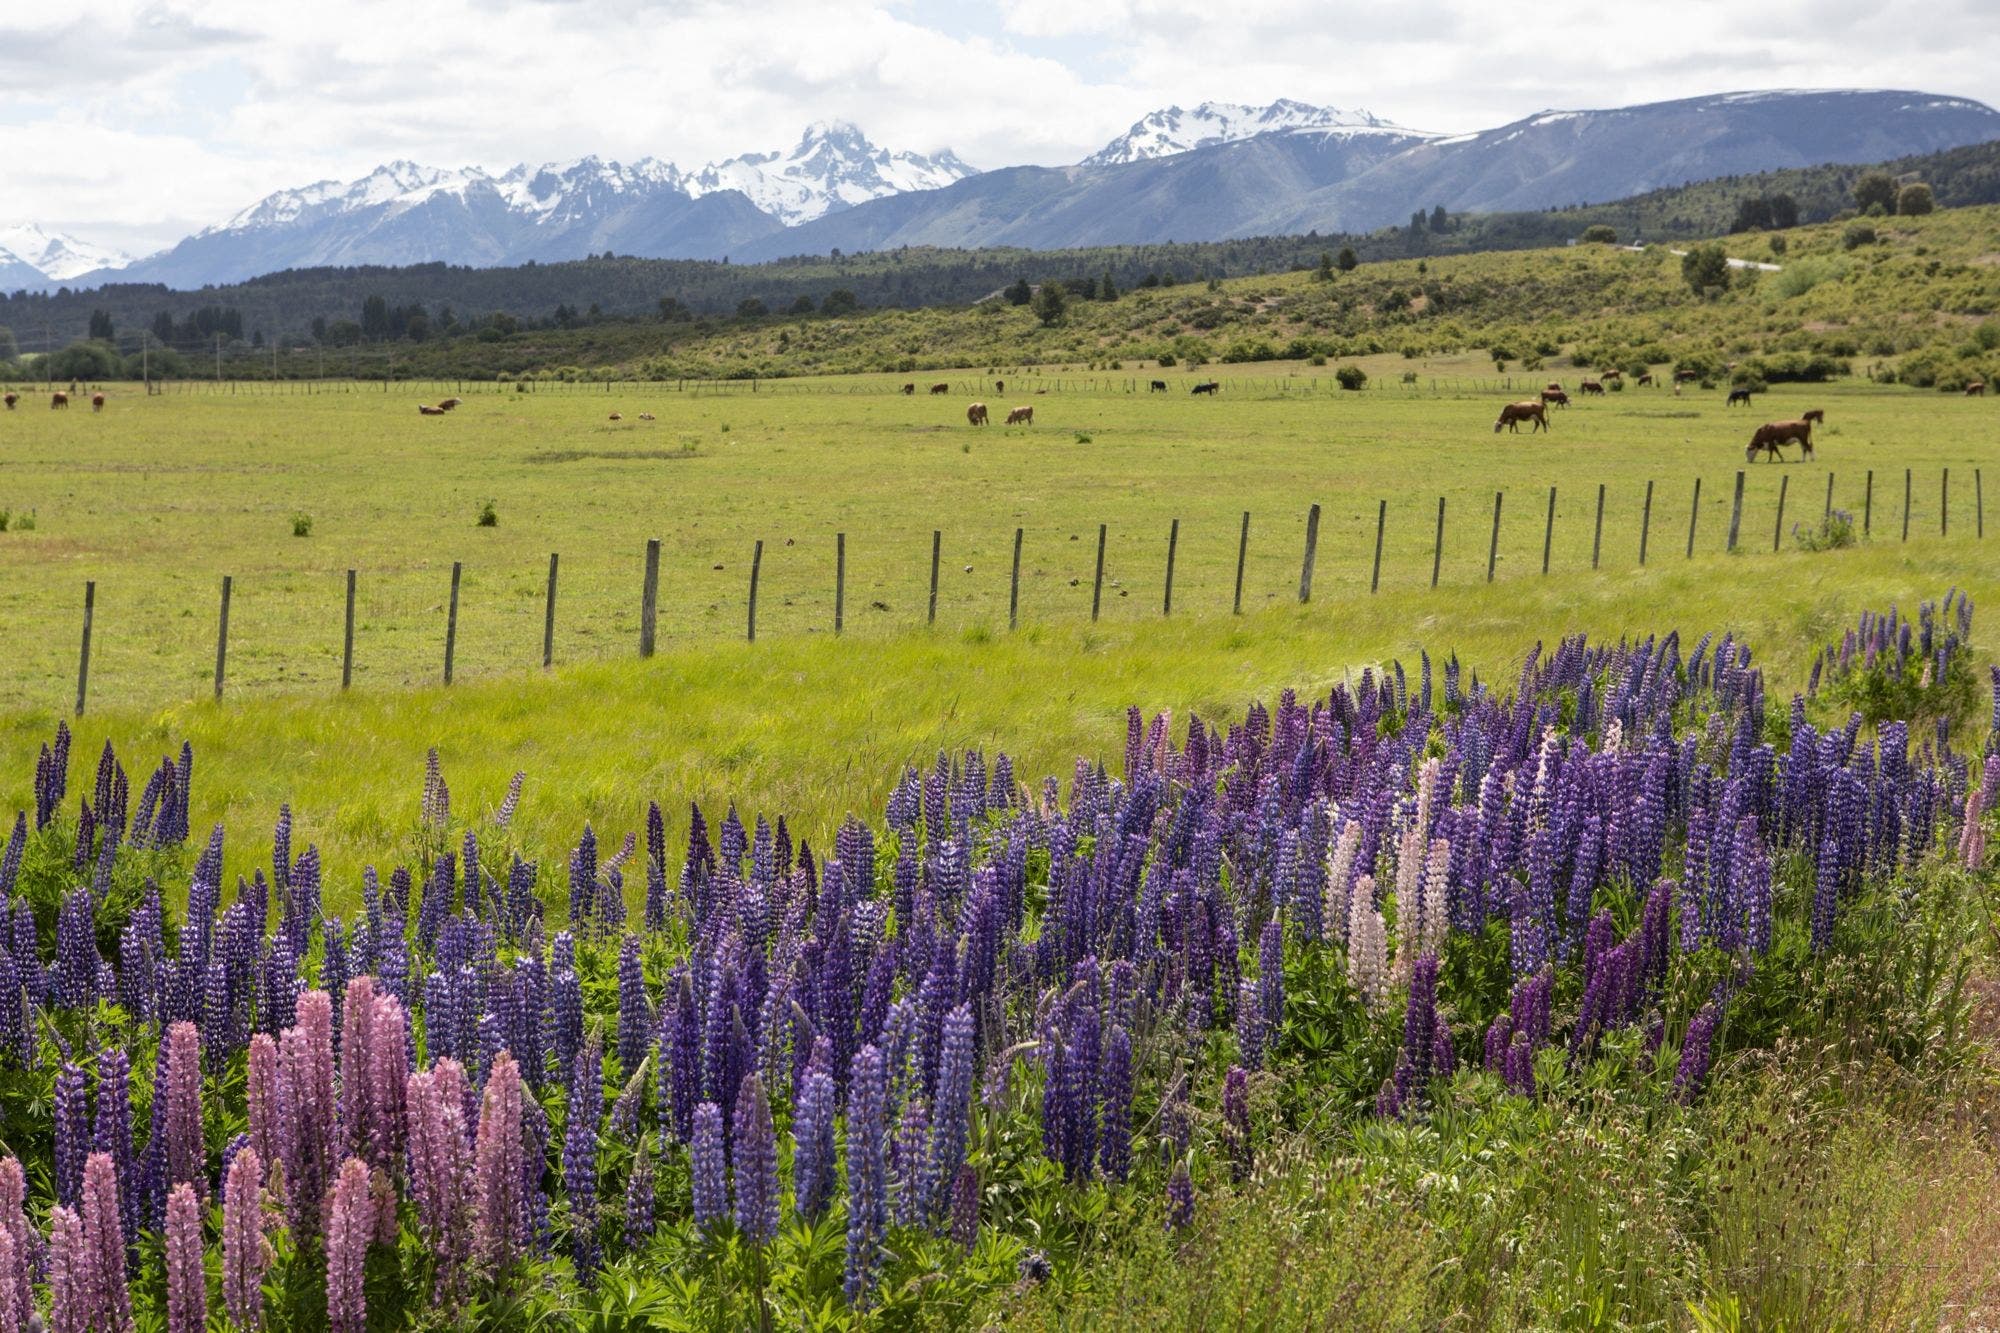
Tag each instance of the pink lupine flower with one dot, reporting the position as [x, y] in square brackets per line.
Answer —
[69, 1281]
[187, 1285]
[306, 1124]
[440, 1166]
[187, 1153]
[13, 1280]
[350, 1226]
[498, 1161]
[356, 1032]
[104, 1247]
[14, 1221]
[261, 1093]
[388, 1076]
[246, 1253]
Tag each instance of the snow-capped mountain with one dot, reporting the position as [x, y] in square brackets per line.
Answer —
[54, 255]
[833, 166]
[1173, 130]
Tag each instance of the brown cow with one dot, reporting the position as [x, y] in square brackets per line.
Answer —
[12, 399]
[617, 416]
[1773, 435]
[1817, 414]
[1613, 374]
[448, 403]
[1513, 414]
[940, 388]
[1644, 380]
[999, 386]
[909, 388]
[975, 415]
[1021, 416]
[1555, 397]
[425, 409]
[647, 416]
[1686, 376]
[1976, 389]
[97, 402]
[58, 399]
[1737, 396]
[1589, 387]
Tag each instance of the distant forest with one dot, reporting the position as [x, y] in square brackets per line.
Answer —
[240, 329]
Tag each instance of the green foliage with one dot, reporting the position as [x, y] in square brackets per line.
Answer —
[1833, 532]
[489, 516]
[1705, 268]
[1916, 200]
[1876, 190]
[1051, 304]
[1857, 235]
[1347, 261]
[1351, 377]
[1600, 233]
[302, 524]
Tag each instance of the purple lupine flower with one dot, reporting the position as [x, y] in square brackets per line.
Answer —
[813, 1144]
[756, 1164]
[951, 1117]
[1114, 1081]
[635, 1018]
[186, 1152]
[246, 1252]
[440, 1167]
[112, 1131]
[579, 1156]
[709, 1167]
[1520, 1066]
[867, 1173]
[104, 1247]
[498, 1166]
[1236, 1120]
[1249, 1025]
[1180, 1199]
[307, 1123]
[1697, 1051]
[76, 952]
[350, 1226]
[72, 1132]
[187, 1283]
[261, 1095]
[1826, 895]
[357, 1028]
[909, 1204]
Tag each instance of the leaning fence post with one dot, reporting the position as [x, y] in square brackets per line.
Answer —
[1694, 512]
[1437, 550]
[756, 567]
[347, 638]
[839, 579]
[1944, 504]
[1381, 519]
[1097, 581]
[1493, 548]
[1597, 532]
[83, 659]
[451, 622]
[1778, 529]
[549, 618]
[1646, 522]
[1014, 585]
[1906, 504]
[1173, 542]
[1829, 497]
[222, 637]
[1868, 504]
[1312, 545]
[1549, 531]
[1242, 553]
[649, 598]
[1736, 512]
[1978, 505]
[937, 547]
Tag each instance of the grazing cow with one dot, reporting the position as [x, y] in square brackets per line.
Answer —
[940, 388]
[617, 416]
[1513, 414]
[58, 399]
[1553, 386]
[1817, 414]
[1021, 416]
[1555, 397]
[97, 402]
[12, 399]
[1207, 386]
[975, 415]
[1157, 386]
[1772, 435]
[646, 416]
[909, 388]
[1644, 380]
[1589, 387]
[1686, 376]
[999, 386]
[1613, 374]
[1738, 396]
[448, 403]
[1976, 389]
[425, 409]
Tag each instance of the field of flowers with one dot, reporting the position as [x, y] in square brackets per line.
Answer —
[937, 1071]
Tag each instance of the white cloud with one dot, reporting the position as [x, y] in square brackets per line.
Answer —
[165, 115]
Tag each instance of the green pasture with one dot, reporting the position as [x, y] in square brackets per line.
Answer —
[157, 498]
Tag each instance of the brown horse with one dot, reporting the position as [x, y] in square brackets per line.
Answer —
[940, 388]
[975, 415]
[1513, 414]
[58, 399]
[1772, 436]
[1021, 416]
[1590, 387]
[97, 402]
[1818, 414]
[1555, 397]
[1976, 389]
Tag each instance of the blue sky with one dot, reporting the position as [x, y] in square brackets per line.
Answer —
[151, 118]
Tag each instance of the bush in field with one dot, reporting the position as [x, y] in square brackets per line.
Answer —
[488, 516]
[1857, 235]
[302, 525]
[1834, 532]
[1351, 377]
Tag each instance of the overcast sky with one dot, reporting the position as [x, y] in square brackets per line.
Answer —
[134, 123]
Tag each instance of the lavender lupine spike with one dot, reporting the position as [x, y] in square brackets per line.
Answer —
[867, 1174]
[813, 1144]
[14, 1222]
[1180, 1199]
[307, 1122]
[388, 1076]
[72, 1132]
[1236, 1120]
[756, 1164]
[72, 1305]
[440, 1169]
[104, 1247]
[261, 1095]
[186, 1152]
[635, 1019]
[350, 1227]
[246, 1251]
[951, 1114]
[1697, 1051]
[187, 1283]
[579, 1156]
[112, 1130]
[709, 1167]
[14, 1314]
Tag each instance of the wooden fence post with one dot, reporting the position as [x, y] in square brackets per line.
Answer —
[1381, 520]
[1944, 504]
[1549, 531]
[1597, 531]
[1097, 582]
[839, 579]
[1829, 497]
[1242, 553]
[937, 547]
[1694, 512]
[649, 598]
[1493, 548]
[756, 567]
[1736, 513]
[1437, 550]
[1778, 529]
[1646, 523]
[222, 637]
[1173, 541]
[1906, 504]
[1868, 504]
[347, 638]
[1312, 545]
[549, 618]
[1014, 585]
[451, 622]
[1978, 505]
[83, 659]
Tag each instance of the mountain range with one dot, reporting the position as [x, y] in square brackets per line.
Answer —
[1215, 171]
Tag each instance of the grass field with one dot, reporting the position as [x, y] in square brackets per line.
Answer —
[157, 498]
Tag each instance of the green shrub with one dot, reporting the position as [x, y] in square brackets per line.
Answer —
[1831, 533]
[1351, 377]
[489, 517]
[1857, 235]
[302, 525]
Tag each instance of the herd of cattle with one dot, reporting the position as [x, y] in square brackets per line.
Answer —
[57, 400]
[1768, 439]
